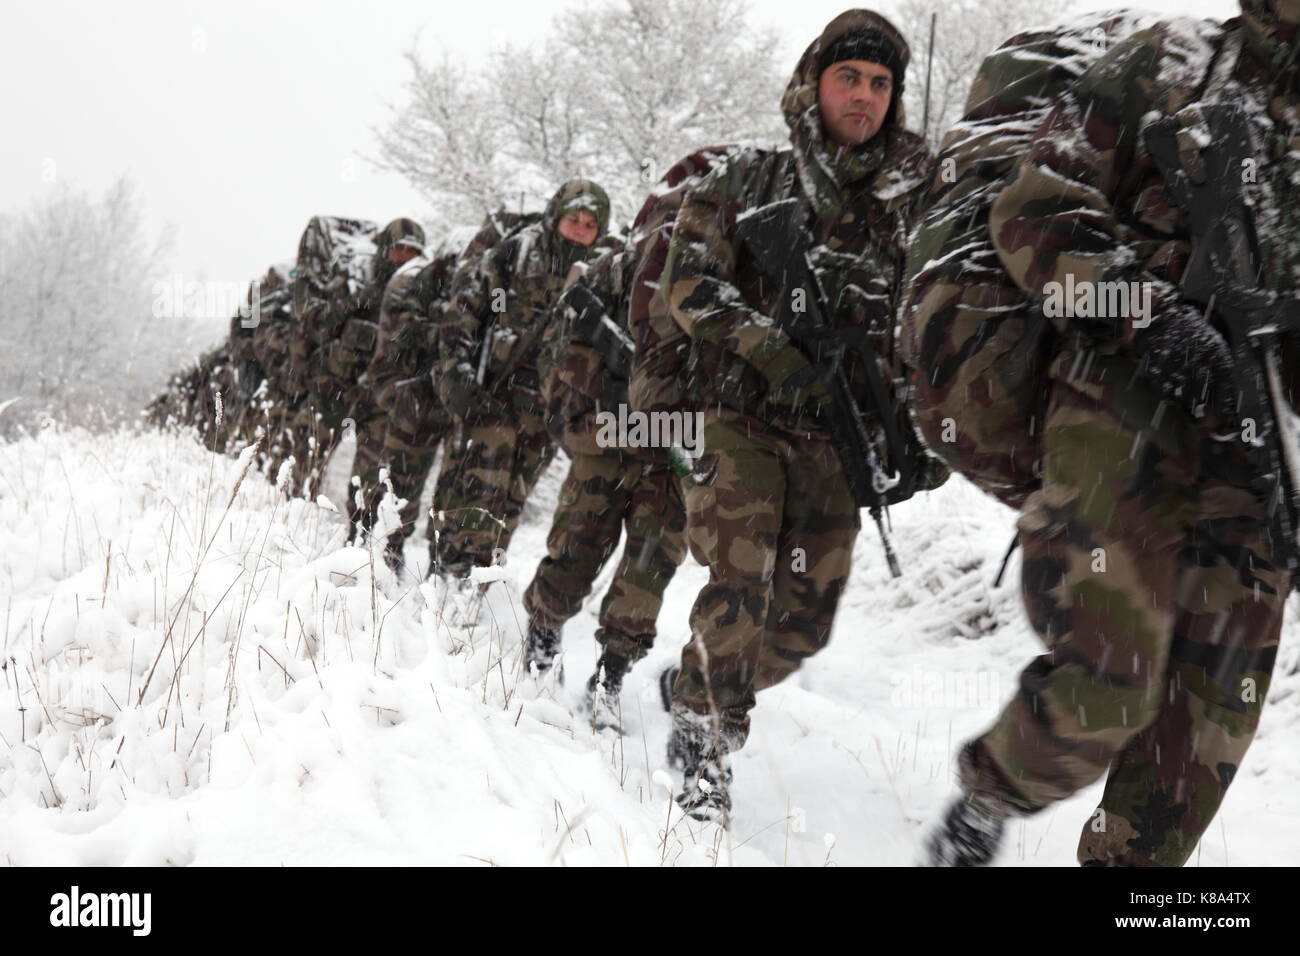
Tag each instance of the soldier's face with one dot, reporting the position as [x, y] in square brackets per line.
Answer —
[854, 96]
[399, 254]
[579, 227]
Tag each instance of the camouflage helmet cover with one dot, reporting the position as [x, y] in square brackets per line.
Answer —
[399, 232]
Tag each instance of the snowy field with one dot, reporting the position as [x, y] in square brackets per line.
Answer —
[198, 672]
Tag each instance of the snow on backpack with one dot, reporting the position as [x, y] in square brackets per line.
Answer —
[497, 227]
[335, 254]
[332, 284]
[980, 346]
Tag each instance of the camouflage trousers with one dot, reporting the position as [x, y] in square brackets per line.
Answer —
[773, 518]
[409, 451]
[276, 417]
[486, 489]
[601, 495]
[1147, 577]
[370, 427]
[309, 439]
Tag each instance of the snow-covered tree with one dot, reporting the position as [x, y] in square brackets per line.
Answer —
[77, 337]
[966, 31]
[616, 92]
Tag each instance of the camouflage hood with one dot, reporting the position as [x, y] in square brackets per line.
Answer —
[1271, 34]
[575, 194]
[399, 232]
[830, 173]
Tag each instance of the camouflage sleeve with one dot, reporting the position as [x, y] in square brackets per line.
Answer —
[399, 321]
[1057, 217]
[571, 371]
[700, 273]
[460, 330]
[556, 335]
[316, 326]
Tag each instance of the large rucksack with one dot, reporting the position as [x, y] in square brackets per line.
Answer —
[980, 346]
[268, 300]
[335, 254]
[660, 379]
[497, 227]
[333, 302]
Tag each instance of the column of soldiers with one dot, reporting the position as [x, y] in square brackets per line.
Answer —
[520, 344]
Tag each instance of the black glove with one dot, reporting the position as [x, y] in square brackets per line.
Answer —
[469, 401]
[931, 472]
[613, 393]
[1189, 361]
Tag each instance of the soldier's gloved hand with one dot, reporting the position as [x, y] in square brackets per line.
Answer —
[469, 401]
[792, 380]
[1189, 362]
[613, 393]
[932, 472]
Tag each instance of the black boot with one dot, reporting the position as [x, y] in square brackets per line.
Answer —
[603, 689]
[666, 681]
[694, 748]
[970, 835]
[540, 648]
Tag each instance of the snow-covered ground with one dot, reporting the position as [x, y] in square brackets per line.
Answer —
[199, 674]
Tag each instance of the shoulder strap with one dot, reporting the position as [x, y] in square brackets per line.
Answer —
[1224, 63]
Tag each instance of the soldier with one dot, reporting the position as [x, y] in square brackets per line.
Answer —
[488, 376]
[1149, 573]
[399, 251]
[403, 384]
[268, 303]
[332, 287]
[585, 365]
[770, 510]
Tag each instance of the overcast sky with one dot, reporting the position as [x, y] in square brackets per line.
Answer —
[238, 120]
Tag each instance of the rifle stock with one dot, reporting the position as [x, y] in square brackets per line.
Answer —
[590, 323]
[776, 238]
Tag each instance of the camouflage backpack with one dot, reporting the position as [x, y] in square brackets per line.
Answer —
[497, 227]
[660, 379]
[334, 254]
[332, 299]
[980, 345]
[273, 292]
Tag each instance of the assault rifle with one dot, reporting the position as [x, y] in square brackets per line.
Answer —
[1222, 275]
[590, 323]
[779, 243]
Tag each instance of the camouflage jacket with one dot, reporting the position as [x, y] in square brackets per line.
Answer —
[578, 382]
[411, 305]
[272, 307]
[1087, 204]
[497, 302]
[859, 200]
[401, 372]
